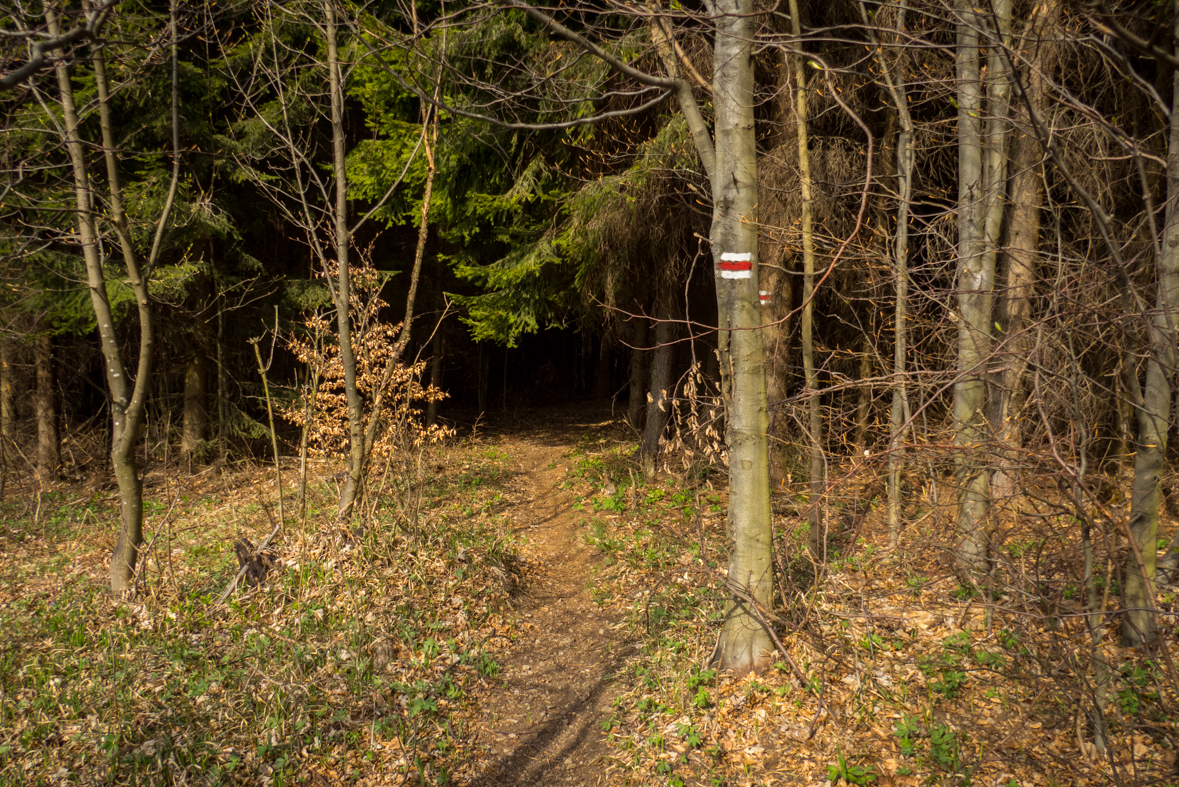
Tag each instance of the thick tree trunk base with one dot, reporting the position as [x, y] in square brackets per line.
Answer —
[744, 645]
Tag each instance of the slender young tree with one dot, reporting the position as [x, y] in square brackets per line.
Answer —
[312, 188]
[343, 288]
[128, 397]
[893, 79]
[813, 405]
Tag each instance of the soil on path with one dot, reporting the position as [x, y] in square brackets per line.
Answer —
[542, 725]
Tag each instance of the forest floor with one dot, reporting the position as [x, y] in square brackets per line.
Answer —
[520, 605]
[542, 725]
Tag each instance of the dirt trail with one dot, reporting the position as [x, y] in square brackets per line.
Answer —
[543, 725]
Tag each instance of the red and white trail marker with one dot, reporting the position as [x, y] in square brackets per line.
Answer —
[735, 265]
[765, 296]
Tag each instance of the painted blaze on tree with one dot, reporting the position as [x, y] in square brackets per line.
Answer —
[745, 643]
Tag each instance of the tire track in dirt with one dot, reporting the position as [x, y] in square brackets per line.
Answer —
[542, 726]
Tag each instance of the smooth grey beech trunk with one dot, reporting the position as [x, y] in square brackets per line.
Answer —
[745, 644]
[1154, 407]
[1039, 50]
[975, 280]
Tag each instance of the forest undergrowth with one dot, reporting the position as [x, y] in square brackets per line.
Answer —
[366, 654]
[352, 663]
[897, 672]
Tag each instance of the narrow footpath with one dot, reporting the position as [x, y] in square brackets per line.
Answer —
[542, 726]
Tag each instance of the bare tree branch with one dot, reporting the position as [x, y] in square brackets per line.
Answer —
[41, 50]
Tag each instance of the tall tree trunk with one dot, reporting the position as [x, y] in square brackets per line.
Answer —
[975, 283]
[640, 361]
[1154, 410]
[818, 463]
[7, 389]
[777, 292]
[899, 410]
[195, 419]
[45, 408]
[1039, 50]
[745, 644]
[658, 393]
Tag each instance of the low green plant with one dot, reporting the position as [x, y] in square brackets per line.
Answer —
[843, 771]
[945, 748]
[907, 731]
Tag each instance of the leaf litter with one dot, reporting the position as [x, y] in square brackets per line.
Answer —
[546, 621]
